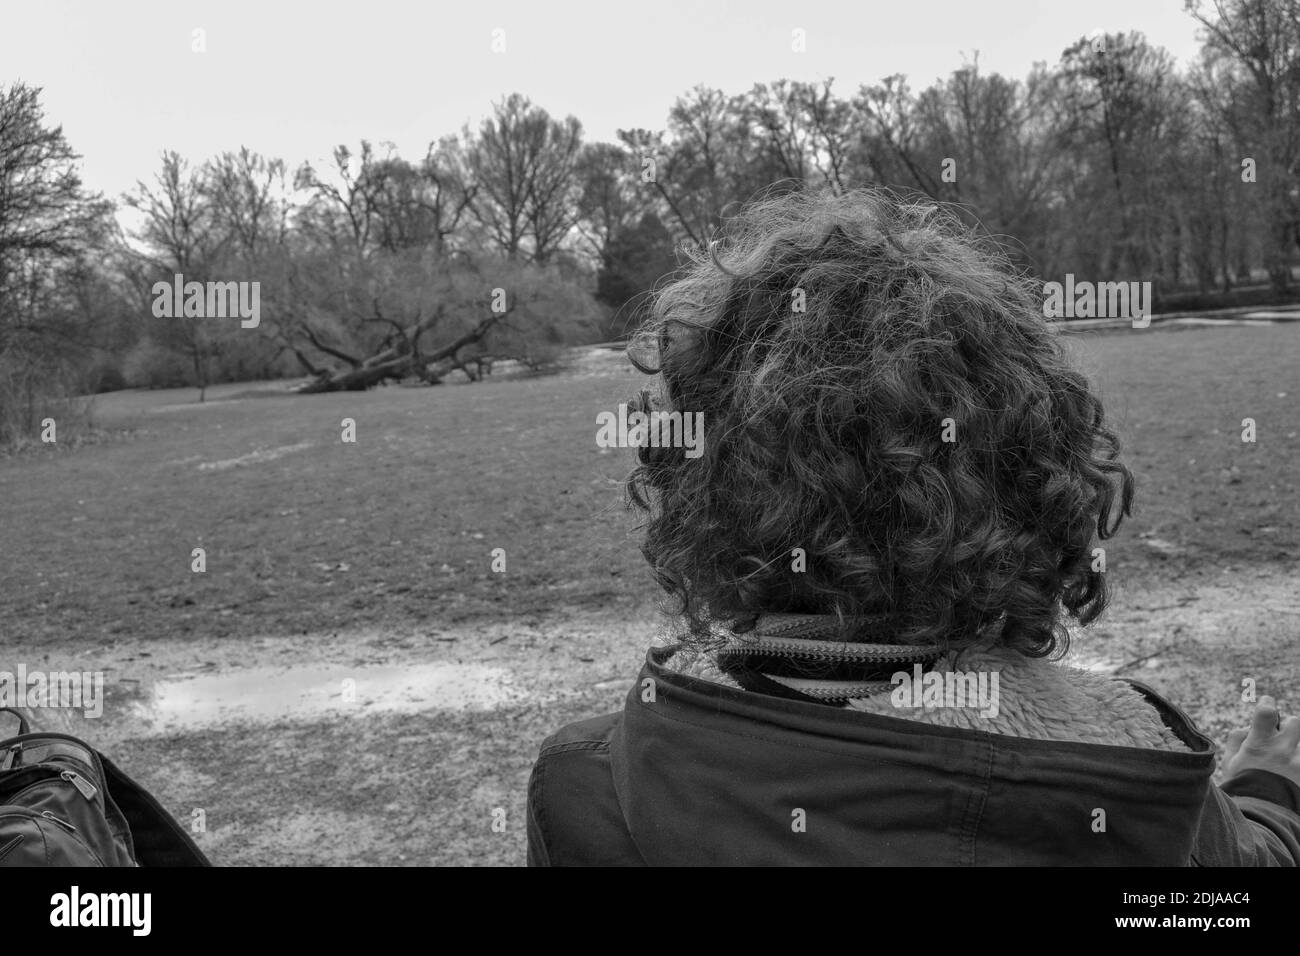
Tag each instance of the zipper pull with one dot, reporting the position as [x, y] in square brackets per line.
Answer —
[63, 823]
[87, 788]
[10, 756]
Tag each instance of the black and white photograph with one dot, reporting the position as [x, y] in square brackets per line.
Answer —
[692, 434]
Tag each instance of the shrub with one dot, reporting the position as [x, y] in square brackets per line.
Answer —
[148, 365]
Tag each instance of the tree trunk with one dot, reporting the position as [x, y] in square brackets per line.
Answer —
[396, 364]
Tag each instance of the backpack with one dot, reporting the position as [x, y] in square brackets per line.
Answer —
[62, 803]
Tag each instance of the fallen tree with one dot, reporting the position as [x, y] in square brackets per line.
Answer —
[414, 316]
[401, 358]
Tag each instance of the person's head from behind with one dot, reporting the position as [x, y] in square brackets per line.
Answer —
[891, 428]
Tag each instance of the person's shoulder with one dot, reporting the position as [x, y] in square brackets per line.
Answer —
[574, 814]
[590, 734]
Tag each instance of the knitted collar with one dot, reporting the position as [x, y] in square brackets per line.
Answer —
[790, 655]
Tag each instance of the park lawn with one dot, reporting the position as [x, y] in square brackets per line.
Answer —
[397, 530]
[1205, 499]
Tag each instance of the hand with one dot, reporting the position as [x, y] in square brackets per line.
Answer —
[1270, 744]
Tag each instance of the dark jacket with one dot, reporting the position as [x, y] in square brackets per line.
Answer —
[693, 773]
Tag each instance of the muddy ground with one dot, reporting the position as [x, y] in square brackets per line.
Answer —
[349, 682]
[302, 776]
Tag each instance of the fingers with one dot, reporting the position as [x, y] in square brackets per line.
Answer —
[1234, 742]
[1264, 725]
[1267, 729]
[1290, 732]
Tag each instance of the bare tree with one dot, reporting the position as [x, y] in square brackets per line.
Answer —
[524, 165]
[249, 199]
[50, 230]
[181, 234]
[1254, 47]
[343, 207]
[608, 200]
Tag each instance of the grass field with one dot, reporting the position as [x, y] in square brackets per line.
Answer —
[380, 551]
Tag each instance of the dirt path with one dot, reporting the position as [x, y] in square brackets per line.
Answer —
[423, 757]
[1198, 637]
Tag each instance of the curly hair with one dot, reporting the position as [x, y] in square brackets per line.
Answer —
[881, 390]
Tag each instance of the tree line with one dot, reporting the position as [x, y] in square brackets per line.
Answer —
[518, 237]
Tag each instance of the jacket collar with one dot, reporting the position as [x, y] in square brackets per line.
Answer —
[711, 774]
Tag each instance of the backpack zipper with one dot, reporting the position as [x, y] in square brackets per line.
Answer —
[46, 814]
[63, 823]
[10, 755]
[88, 789]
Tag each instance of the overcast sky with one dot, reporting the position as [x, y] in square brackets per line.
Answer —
[294, 79]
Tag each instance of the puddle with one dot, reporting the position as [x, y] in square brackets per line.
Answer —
[256, 695]
[1250, 320]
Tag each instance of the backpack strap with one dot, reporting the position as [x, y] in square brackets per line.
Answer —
[159, 839]
[23, 726]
